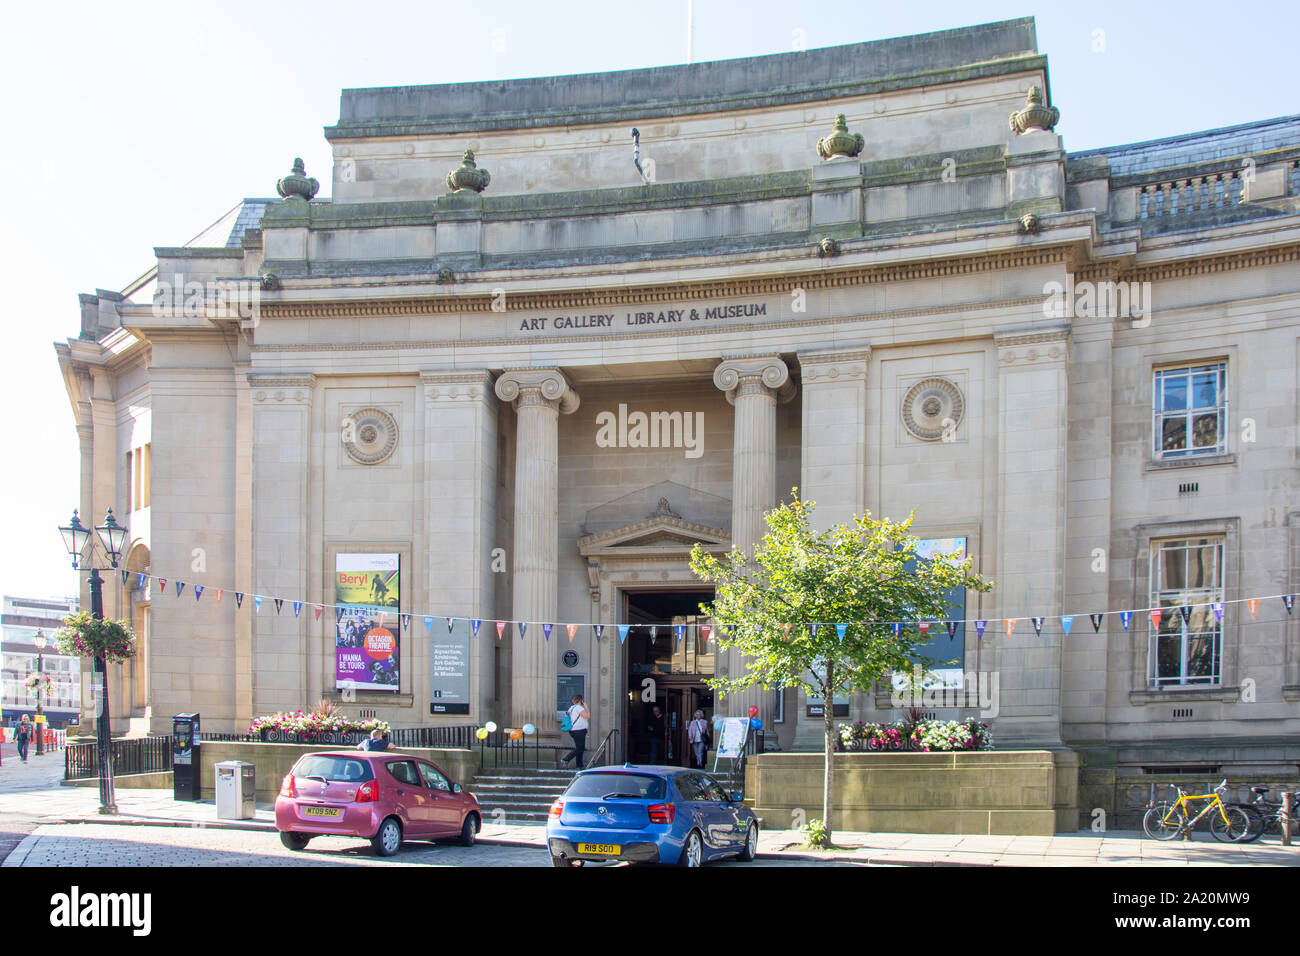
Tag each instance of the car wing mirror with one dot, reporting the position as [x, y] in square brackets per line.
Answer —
[455, 788]
[737, 797]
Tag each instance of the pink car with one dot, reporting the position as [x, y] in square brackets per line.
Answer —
[384, 797]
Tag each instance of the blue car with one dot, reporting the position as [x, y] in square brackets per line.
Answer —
[649, 815]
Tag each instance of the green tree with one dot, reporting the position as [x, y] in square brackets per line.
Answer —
[851, 574]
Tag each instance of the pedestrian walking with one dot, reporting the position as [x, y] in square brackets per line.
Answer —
[577, 718]
[22, 734]
[698, 734]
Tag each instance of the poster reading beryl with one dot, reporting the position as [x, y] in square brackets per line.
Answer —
[366, 647]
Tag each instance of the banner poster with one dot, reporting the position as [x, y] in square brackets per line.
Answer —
[449, 668]
[367, 646]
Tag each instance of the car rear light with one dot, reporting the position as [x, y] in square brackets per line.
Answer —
[662, 813]
[286, 786]
[556, 809]
[368, 792]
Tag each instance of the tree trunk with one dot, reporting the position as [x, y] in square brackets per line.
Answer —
[828, 779]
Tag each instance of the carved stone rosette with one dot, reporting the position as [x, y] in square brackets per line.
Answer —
[1035, 115]
[932, 408]
[369, 436]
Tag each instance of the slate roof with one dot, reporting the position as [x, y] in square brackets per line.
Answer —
[1206, 146]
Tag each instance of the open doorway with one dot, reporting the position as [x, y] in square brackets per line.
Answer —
[665, 677]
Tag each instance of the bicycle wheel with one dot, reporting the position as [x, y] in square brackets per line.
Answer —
[1162, 823]
[1258, 823]
[1234, 829]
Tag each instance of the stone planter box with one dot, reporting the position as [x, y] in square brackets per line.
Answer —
[1014, 792]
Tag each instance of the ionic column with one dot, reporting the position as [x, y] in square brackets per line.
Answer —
[753, 386]
[539, 396]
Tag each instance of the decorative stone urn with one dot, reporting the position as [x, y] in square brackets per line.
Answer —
[841, 142]
[1035, 115]
[468, 175]
[297, 184]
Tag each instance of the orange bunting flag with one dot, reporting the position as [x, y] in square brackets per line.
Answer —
[501, 628]
[573, 629]
[1155, 619]
[317, 609]
[1253, 604]
[219, 593]
[1010, 622]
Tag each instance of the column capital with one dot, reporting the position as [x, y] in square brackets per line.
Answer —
[753, 375]
[537, 386]
[835, 365]
[456, 385]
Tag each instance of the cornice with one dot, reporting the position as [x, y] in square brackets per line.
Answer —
[1209, 265]
[592, 544]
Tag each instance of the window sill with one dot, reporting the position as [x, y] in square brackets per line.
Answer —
[1291, 692]
[1184, 695]
[1195, 461]
[371, 697]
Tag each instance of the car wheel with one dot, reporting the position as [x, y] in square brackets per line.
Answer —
[751, 844]
[565, 862]
[389, 838]
[692, 850]
[295, 841]
[468, 829]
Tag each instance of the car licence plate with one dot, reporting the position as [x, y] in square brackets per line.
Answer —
[321, 811]
[600, 849]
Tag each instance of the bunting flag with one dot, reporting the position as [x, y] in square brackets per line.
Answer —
[140, 579]
[279, 603]
[679, 631]
[1253, 604]
[898, 628]
[405, 622]
[1289, 601]
[573, 629]
[546, 629]
[297, 608]
[923, 627]
[812, 629]
[474, 625]
[599, 629]
[1186, 611]
[979, 628]
[654, 632]
[219, 593]
[239, 599]
[428, 625]
[450, 623]
[840, 629]
[1010, 624]
[1217, 607]
[1067, 622]
[162, 583]
[125, 574]
[318, 610]
[952, 629]
[622, 633]
[1038, 625]
[1096, 622]
[1155, 619]
[523, 628]
[198, 591]
[1125, 617]
[257, 604]
[338, 612]
[180, 586]
[501, 629]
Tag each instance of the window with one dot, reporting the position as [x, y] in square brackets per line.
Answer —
[129, 474]
[145, 467]
[1186, 577]
[1191, 407]
[333, 769]
[404, 771]
[432, 778]
[624, 784]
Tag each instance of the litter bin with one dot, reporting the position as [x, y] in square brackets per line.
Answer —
[236, 790]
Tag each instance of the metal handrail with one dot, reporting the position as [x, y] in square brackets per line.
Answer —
[604, 746]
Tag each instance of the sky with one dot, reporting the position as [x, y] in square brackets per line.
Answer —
[135, 125]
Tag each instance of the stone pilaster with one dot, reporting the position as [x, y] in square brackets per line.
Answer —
[281, 460]
[539, 397]
[833, 465]
[460, 473]
[1033, 397]
[753, 385]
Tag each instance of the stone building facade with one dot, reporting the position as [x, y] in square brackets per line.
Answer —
[870, 271]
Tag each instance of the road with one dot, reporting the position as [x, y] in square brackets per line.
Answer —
[120, 845]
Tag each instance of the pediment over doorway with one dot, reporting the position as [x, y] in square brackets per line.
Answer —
[659, 534]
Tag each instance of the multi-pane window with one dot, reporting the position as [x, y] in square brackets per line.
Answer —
[1191, 406]
[1186, 579]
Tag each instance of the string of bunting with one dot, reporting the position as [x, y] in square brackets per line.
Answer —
[1156, 614]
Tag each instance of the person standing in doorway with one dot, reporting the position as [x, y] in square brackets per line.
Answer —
[578, 717]
[697, 732]
[654, 726]
[22, 734]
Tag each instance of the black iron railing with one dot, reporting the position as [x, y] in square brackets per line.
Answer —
[455, 738]
[604, 753]
[128, 755]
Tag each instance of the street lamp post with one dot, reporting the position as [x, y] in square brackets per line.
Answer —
[39, 641]
[112, 536]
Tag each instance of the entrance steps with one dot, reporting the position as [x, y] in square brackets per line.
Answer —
[525, 794]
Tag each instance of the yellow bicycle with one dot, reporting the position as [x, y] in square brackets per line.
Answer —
[1166, 821]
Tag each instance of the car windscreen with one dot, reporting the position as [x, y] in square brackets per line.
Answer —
[632, 785]
[333, 769]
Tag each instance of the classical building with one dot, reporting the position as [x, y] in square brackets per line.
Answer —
[545, 335]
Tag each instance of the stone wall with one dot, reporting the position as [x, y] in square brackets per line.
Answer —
[1020, 792]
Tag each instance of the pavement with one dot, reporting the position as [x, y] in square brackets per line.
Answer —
[33, 791]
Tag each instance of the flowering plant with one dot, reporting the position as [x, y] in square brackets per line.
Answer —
[924, 735]
[299, 722]
[84, 636]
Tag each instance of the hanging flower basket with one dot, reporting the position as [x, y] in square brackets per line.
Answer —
[83, 636]
[39, 682]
